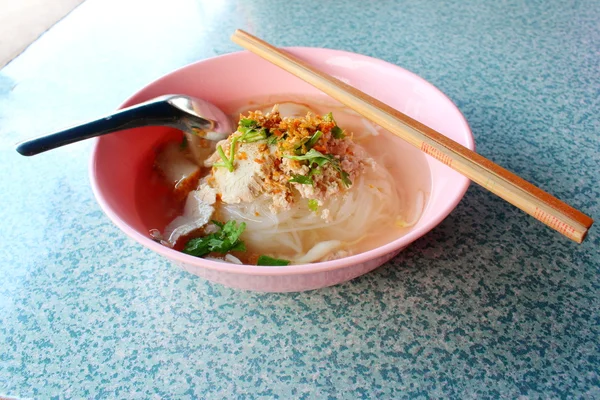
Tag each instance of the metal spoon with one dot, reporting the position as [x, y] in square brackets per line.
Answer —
[188, 114]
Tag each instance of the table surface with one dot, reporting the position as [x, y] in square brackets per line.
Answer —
[489, 304]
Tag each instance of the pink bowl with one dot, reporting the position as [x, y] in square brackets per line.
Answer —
[117, 159]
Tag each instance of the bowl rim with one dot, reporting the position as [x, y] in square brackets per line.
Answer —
[324, 266]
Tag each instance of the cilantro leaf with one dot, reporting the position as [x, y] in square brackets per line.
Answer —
[337, 132]
[316, 157]
[272, 262]
[305, 180]
[225, 240]
[248, 123]
[345, 179]
[232, 231]
[197, 247]
[240, 246]
[313, 156]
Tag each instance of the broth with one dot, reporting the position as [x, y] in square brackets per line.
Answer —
[407, 164]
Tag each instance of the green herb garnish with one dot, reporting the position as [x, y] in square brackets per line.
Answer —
[251, 131]
[337, 132]
[314, 139]
[312, 156]
[250, 135]
[272, 262]
[305, 180]
[272, 140]
[227, 162]
[344, 176]
[225, 240]
[248, 123]
[317, 159]
[300, 146]
[313, 205]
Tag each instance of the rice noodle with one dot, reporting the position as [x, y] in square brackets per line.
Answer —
[300, 234]
[376, 208]
[319, 251]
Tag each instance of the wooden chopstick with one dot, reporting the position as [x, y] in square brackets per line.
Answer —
[529, 198]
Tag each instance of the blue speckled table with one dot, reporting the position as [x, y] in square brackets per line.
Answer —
[490, 304]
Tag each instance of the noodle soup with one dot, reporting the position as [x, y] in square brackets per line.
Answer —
[383, 200]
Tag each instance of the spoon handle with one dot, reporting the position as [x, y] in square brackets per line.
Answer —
[157, 112]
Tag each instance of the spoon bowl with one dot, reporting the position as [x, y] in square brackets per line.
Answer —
[193, 116]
